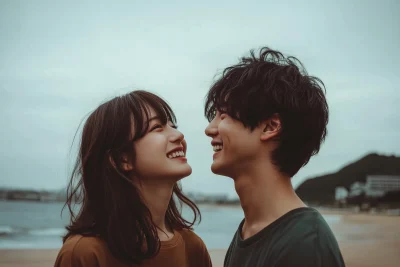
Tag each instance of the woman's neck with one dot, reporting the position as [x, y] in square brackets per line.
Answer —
[157, 196]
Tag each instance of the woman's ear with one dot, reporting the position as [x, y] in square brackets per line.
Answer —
[126, 164]
[271, 127]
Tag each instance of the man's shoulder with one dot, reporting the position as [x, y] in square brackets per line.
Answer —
[298, 238]
[309, 240]
[302, 223]
[312, 221]
[309, 218]
[302, 227]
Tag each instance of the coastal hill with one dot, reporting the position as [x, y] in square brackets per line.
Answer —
[321, 189]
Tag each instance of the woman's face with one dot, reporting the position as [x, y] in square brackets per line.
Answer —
[161, 152]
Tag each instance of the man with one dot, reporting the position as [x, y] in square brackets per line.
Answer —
[267, 118]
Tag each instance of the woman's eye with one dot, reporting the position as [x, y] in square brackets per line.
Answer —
[172, 125]
[157, 126]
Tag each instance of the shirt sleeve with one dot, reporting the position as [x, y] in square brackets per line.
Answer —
[228, 255]
[204, 256]
[196, 250]
[313, 250]
[77, 255]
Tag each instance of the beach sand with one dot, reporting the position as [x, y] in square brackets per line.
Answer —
[365, 241]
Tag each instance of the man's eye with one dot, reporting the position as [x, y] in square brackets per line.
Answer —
[212, 115]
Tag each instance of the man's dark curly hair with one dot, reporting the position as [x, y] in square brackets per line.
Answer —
[260, 86]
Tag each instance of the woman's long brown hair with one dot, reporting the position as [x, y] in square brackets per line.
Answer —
[111, 206]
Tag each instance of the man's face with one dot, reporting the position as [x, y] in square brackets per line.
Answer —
[235, 146]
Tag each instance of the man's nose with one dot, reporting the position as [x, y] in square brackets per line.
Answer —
[211, 129]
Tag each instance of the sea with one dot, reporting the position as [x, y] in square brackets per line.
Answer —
[39, 225]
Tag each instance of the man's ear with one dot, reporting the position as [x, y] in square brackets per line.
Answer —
[271, 127]
[126, 164]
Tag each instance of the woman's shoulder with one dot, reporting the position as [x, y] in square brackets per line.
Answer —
[191, 238]
[196, 249]
[78, 248]
[84, 243]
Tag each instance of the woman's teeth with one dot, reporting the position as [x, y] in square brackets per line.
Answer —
[176, 154]
[217, 148]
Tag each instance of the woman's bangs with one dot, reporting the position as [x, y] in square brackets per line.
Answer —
[144, 102]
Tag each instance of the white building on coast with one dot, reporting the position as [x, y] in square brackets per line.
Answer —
[379, 185]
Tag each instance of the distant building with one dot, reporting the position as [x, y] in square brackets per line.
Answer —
[48, 197]
[341, 193]
[356, 189]
[23, 195]
[208, 198]
[3, 194]
[218, 198]
[379, 185]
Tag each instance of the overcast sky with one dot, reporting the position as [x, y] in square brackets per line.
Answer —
[60, 59]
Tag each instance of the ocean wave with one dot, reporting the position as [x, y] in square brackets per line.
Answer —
[7, 231]
[48, 232]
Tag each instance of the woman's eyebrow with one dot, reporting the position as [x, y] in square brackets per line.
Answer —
[153, 118]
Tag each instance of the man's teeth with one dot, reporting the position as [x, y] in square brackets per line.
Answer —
[217, 148]
[176, 154]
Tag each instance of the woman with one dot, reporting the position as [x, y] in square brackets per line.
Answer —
[130, 161]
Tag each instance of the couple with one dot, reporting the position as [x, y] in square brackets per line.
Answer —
[267, 118]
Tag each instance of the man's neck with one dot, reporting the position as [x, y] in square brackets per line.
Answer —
[265, 195]
[157, 196]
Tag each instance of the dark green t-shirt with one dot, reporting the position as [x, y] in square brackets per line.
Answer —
[301, 237]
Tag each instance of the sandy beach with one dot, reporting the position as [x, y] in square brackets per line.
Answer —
[365, 240]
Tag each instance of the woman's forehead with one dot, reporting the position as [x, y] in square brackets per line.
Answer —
[152, 113]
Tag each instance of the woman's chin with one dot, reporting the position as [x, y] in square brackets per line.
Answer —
[184, 172]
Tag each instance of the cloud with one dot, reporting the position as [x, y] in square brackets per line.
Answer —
[59, 61]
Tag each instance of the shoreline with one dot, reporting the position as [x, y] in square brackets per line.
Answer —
[46, 257]
[365, 239]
